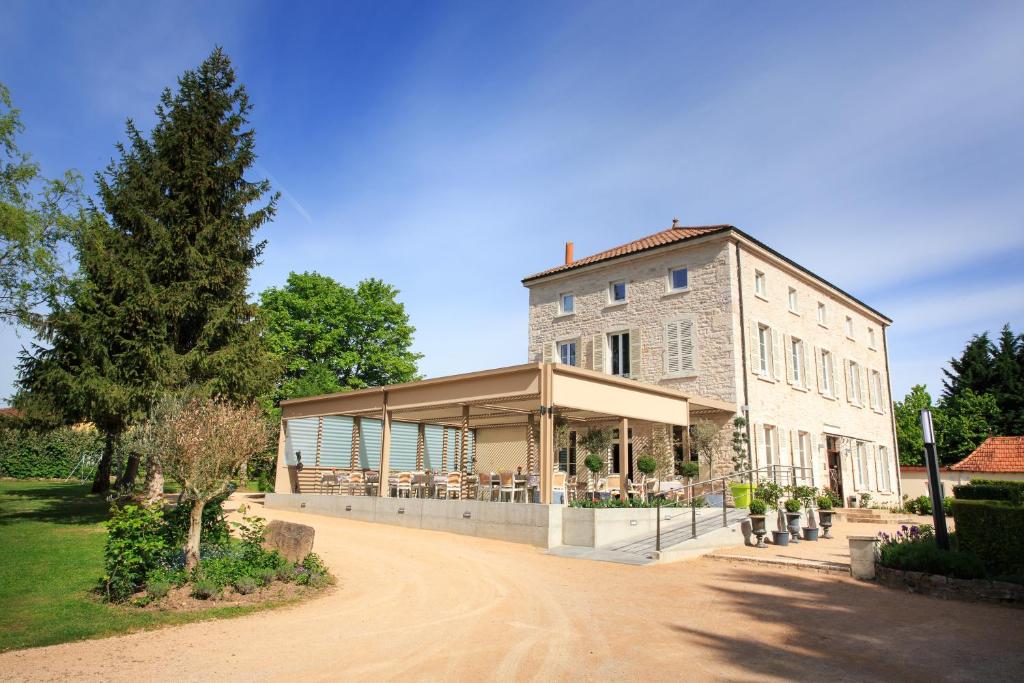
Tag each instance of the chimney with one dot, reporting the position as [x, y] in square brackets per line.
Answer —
[568, 253]
[675, 222]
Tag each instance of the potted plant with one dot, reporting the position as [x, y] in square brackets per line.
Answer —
[771, 493]
[595, 443]
[825, 513]
[757, 509]
[793, 515]
[594, 463]
[805, 494]
[647, 466]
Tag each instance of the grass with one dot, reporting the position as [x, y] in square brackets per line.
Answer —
[51, 537]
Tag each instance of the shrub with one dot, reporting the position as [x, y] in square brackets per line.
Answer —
[135, 546]
[770, 493]
[646, 464]
[157, 589]
[215, 527]
[792, 505]
[285, 571]
[699, 502]
[594, 463]
[990, 490]
[837, 502]
[824, 502]
[266, 576]
[757, 507]
[264, 484]
[922, 505]
[803, 493]
[28, 453]
[311, 572]
[914, 549]
[689, 469]
[865, 500]
[612, 503]
[204, 589]
[246, 585]
[994, 532]
[947, 506]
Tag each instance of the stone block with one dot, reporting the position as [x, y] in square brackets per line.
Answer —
[293, 541]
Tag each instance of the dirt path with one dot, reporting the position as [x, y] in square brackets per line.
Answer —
[419, 605]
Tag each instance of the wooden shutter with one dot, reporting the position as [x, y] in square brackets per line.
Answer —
[636, 361]
[777, 364]
[597, 353]
[846, 381]
[783, 440]
[817, 367]
[672, 355]
[775, 446]
[754, 349]
[805, 367]
[548, 352]
[679, 349]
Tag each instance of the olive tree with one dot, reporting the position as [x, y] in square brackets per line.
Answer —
[706, 440]
[202, 444]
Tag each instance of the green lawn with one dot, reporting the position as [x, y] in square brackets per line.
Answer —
[51, 541]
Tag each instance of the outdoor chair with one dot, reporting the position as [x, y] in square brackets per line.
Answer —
[393, 484]
[508, 487]
[558, 489]
[612, 484]
[328, 480]
[440, 484]
[485, 486]
[454, 485]
[403, 482]
[341, 481]
[372, 482]
[356, 484]
[419, 483]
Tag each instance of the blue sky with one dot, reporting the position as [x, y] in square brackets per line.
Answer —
[452, 148]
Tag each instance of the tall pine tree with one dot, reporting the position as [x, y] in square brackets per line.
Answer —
[160, 299]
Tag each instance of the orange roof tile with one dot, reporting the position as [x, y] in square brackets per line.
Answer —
[997, 454]
[658, 239]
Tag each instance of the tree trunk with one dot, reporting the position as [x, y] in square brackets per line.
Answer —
[131, 470]
[195, 528]
[154, 481]
[101, 483]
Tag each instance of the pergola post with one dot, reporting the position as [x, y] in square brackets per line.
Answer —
[547, 434]
[282, 482]
[464, 452]
[420, 445]
[623, 457]
[531, 443]
[353, 457]
[385, 449]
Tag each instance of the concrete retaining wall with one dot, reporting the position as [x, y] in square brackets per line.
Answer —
[534, 524]
[948, 588]
[596, 527]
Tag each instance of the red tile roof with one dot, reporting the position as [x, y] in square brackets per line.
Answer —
[658, 239]
[11, 412]
[997, 454]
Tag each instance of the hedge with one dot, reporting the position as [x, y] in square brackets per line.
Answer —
[27, 454]
[984, 489]
[994, 532]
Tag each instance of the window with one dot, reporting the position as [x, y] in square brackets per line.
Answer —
[826, 373]
[871, 337]
[619, 347]
[567, 304]
[821, 313]
[796, 360]
[759, 285]
[875, 388]
[854, 381]
[679, 352]
[567, 353]
[615, 451]
[617, 292]
[860, 465]
[792, 301]
[803, 447]
[567, 456]
[769, 451]
[882, 464]
[678, 279]
[764, 344]
[849, 327]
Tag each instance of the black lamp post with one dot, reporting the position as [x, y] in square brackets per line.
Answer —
[931, 459]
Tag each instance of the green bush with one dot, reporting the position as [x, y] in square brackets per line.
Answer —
[824, 502]
[204, 589]
[914, 549]
[135, 545]
[28, 453]
[646, 464]
[865, 500]
[246, 585]
[264, 484]
[792, 505]
[157, 589]
[266, 576]
[922, 505]
[994, 532]
[689, 469]
[215, 527]
[757, 507]
[770, 493]
[947, 506]
[311, 572]
[837, 501]
[991, 490]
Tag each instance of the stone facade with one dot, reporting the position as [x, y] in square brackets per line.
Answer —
[725, 311]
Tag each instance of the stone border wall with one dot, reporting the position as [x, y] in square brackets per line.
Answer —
[948, 588]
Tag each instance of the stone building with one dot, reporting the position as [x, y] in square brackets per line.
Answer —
[713, 312]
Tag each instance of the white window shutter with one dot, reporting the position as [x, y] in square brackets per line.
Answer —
[672, 359]
[777, 365]
[775, 446]
[754, 348]
[818, 368]
[846, 381]
[807, 367]
[791, 371]
[861, 377]
[783, 439]
[758, 446]
[636, 360]
[597, 353]
[548, 352]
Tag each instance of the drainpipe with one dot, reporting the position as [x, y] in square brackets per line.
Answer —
[743, 358]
